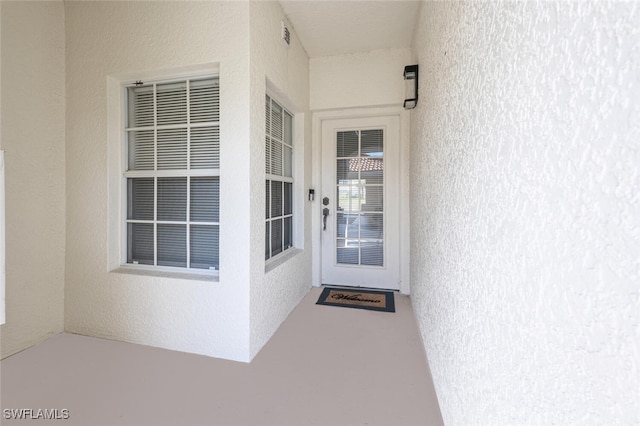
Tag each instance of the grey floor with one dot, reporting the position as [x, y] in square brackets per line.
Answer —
[324, 366]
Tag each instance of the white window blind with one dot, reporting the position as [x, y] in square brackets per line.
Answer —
[173, 174]
[279, 179]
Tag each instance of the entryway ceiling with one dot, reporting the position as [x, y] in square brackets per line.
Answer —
[330, 28]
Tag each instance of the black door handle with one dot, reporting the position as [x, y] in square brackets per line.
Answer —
[325, 213]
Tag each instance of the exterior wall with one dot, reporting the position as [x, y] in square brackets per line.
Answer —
[360, 85]
[358, 80]
[283, 71]
[33, 133]
[108, 38]
[525, 210]
[2, 256]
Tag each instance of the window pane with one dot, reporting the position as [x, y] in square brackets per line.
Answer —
[372, 253]
[371, 226]
[347, 169]
[204, 246]
[288, 204]
[276, 198]
[140, 243]
[341, 223]
[347, 144]
[267, 113]
[172, 149]
[204, 100]
[371, 170]
[288, 128]
[140, 100]
[267, 241]
[371, 144]
[276, 158]
[205, 199]
[171, 102]
[349, 198]
[288, 162]
[276, 121]
[172, 198]
[172, 245]
[267, 199]
[140, 196]
[140, 144]
[372, 199]
[347, 255]
[276, 236]
[267, 155]
[287, 231]
[205, 147]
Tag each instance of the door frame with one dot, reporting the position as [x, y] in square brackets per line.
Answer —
[318, 118]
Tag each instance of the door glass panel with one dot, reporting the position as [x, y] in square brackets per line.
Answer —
[371, 198]
[343, 172]
[371, 170]
[371, 254]
[347, 143]
[348, 256]
[371, 145]
[371, 226]
[360, 197]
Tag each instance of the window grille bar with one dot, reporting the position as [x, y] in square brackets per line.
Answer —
[175, 126]
[155, 221]
[188, 227]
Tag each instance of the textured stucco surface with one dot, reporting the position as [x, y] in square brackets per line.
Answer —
[275, 293]
[364, 79]
[525, 183]
[2, 270]
[364, 84]
[106, 38]
[33, 79]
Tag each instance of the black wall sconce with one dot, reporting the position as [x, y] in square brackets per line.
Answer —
[411, 73]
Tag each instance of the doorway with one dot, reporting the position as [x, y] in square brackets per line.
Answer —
[360, 202]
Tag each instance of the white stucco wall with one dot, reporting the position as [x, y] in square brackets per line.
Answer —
[285, 70]
[33, 111]
[111, 38]
[525, 210]
[2, 271]
[360, 85]
[373, 78]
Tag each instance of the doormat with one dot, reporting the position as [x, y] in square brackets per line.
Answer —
[374, 300]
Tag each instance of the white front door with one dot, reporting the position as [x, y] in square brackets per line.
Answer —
[360, 200]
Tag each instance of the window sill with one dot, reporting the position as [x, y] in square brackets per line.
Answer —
[281, 258]
[167, 274]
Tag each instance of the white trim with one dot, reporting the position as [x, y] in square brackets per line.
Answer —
[174, 126]
[172, 173]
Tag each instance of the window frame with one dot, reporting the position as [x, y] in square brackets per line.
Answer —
[270, 178]
[124, 175]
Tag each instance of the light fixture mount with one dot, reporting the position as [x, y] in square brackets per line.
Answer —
[411, 73]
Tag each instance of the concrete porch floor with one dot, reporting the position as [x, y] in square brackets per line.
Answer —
[324, 366]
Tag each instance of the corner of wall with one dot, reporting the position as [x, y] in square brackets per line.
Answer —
[33, 46]
[283, 70]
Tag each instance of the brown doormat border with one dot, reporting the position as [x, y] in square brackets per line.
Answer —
[374, 300]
